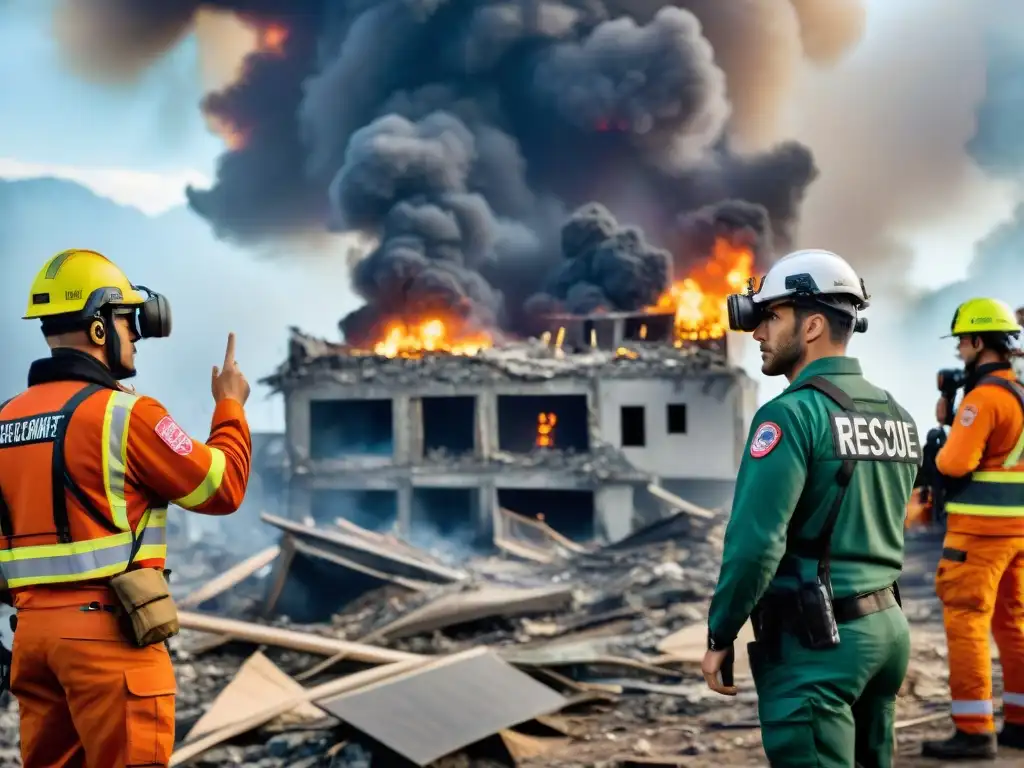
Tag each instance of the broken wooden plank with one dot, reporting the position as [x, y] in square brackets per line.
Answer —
[473, 605]
[351, 682]
[934, 717]
[681, 504]
[257, 684]
[437, 709]
[311, 550]
[279, 577]
[289, 638]
[230, 578]
[374, 554]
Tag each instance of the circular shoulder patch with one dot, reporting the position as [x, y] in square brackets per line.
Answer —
[968, 414]
[766, 437]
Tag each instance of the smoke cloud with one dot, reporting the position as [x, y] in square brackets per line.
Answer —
[459, 135]
[889, 131]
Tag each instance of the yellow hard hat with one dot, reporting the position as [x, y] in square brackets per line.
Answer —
[984, 316]
[79, 282]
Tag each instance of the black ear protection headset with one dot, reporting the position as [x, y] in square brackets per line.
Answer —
[745, 314]
[149, 320]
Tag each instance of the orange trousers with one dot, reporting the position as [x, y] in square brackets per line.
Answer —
[87, 697]
[980, 581]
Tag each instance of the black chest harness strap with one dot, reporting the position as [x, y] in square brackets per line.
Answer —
[819, 547]
[60, 479]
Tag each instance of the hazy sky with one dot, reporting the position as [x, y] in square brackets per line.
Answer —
[140, 144]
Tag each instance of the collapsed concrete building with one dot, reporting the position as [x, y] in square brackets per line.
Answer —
[572, 428]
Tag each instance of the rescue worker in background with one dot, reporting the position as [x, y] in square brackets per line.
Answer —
[828, 469]
[87, 469]
[980, 577]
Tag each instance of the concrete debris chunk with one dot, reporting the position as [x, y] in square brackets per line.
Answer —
[436, 709]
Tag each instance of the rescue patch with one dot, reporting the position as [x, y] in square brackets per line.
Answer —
[873, 437]
[175, 437]
[766, 437]
[968, 414]
[41, 428]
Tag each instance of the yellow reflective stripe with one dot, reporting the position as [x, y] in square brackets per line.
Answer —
[40, 551]
[84, 560]
[1018, 450]
[997, 477]
[115, 454]
[61, 563]
[982, 510]
[153, 545]
[210, 485]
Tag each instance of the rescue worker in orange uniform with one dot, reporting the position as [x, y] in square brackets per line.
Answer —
[980, 578]
[87, 469]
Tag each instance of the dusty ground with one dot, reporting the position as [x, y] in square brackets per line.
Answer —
[685, 723]
[696, 727]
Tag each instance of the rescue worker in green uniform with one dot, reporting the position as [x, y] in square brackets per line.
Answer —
[814, 545]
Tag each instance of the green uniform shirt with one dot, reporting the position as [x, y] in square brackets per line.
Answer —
[788, 473]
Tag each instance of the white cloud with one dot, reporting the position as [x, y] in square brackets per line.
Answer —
[151, 193]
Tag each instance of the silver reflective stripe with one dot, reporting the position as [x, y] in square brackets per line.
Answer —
[67, 567]
[115, 454]
[153, 537]
[1015, 699]
[972, 707]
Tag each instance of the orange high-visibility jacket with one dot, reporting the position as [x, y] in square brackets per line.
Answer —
[986, 445]
[87, 471]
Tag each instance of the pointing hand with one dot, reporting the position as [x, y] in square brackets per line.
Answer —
[229, 381]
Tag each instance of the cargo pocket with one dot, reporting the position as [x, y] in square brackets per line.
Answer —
[787, 732]
[964, 583]
[149, 713]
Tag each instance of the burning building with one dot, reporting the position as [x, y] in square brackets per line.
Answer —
[439, 441]
[468, 140]
[434, 424]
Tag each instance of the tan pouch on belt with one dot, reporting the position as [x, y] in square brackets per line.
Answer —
[150, 613]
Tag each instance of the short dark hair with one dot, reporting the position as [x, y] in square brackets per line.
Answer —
[998, 342]
[840, 323]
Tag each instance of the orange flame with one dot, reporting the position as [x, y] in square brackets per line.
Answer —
[433, 335]
[272, 39]
[699, 299]
[546, 430]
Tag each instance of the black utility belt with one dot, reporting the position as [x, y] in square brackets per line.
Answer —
[813, 621]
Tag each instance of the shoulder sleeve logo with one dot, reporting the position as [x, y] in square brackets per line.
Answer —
[968, 414]
[175, 437]
[766, 437]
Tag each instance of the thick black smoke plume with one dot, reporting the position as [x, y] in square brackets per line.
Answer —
[460, 132]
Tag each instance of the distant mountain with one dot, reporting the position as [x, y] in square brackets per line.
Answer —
[213, 289]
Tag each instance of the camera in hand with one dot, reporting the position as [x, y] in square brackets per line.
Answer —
[950, 380]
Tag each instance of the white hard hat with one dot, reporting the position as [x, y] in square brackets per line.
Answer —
[812, 273]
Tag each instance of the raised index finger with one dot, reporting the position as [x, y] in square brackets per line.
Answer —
[229, 354]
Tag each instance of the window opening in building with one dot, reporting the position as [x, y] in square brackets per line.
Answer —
[449, 424]
[634, 434]
[350, 427]
[676, 418]
[523, 422]
[570, 513]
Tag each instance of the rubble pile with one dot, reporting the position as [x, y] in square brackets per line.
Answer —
[570, 656]
[585, 627]
[313, 360]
